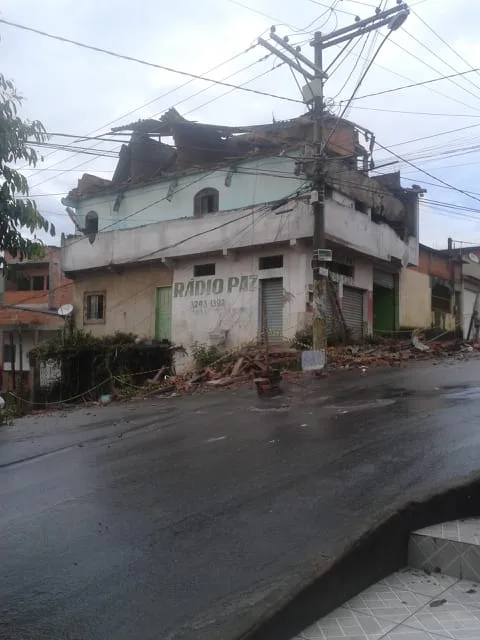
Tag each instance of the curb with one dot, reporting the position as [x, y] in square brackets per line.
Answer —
[376, 554]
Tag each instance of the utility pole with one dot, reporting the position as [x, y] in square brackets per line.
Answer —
[318, 203]
[313, 95]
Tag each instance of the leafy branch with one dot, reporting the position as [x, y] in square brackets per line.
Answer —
[17, 210]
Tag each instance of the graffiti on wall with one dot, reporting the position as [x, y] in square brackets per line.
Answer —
[206, 293]
[214, 286]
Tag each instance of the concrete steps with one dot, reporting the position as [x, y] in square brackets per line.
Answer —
[436, 597]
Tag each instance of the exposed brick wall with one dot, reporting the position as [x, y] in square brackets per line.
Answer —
[61, 292]
[433, 264]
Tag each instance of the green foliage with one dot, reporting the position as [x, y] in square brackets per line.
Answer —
[205, 355]
[78, 342]
[303, 339]
[16, 214]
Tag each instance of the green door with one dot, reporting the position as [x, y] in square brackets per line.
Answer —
[163, 313]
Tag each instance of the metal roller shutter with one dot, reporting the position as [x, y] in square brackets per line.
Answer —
[383, 279]
[469, 298]
[352, 306]
[272, 308]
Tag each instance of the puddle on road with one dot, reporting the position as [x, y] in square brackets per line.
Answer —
[461, 392]
[346, 407]
[281, 409]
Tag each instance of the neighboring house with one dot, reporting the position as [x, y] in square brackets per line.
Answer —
[31, 294]
[211, 239]
[441, 290]
[470, 260]
[430, 292]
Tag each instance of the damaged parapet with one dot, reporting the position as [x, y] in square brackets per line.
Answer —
[146, 157]
[382, 197]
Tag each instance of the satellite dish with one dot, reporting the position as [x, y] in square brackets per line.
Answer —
[473, 257]
[65, 310]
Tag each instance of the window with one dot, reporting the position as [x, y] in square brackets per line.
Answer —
[94, 307]
[270, 262]
[38, 283]
[360, 206]
[91, 226]
[8, 352]
[342, 269]
[441, 298]
[23, 282]
[30, 283]
[205, 201]
[202, 270]
[91, 222]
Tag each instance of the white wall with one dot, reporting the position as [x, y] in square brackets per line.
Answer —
[233, 230]
[415, 298]
[236, 308]
[150, 201]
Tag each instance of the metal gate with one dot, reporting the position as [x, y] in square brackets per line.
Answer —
[271, 308]
[352, 306]
[383, 279]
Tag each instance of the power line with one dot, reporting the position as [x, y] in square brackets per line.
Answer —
[178, 103]
[444, 42]
[144, 62]
[264, 15]
[435, 135]
[418, 113]
[414, 84]
[436, 55]
[260, 75]
[404, 77]
[427, 64]
[321, 4]
[427, 173]
[357, 86]
[163, 95]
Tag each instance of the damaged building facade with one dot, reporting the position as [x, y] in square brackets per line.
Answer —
[209, 239]
[442, 291]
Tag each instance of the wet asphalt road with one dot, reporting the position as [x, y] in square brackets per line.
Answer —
[192, 517]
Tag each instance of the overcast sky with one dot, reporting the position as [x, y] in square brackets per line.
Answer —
[76, 91]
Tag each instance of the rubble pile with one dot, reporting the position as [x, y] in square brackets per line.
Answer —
[245, 364]
[394, 352]
[253, 363]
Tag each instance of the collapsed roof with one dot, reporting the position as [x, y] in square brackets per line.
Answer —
[146, 157]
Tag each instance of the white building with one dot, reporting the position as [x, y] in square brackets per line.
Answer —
[215, 241]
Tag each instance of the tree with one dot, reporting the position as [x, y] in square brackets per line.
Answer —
[17, 210]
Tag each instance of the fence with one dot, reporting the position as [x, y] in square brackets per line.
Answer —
[87, 373]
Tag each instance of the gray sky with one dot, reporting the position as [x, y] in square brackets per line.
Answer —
[76, 91]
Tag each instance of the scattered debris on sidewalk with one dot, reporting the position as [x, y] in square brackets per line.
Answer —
[254, 366]
[394, 353]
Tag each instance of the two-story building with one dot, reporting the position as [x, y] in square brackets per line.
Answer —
[210, 239]
[31, 293]
[442, 290]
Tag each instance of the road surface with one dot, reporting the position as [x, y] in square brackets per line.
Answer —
[190, 517]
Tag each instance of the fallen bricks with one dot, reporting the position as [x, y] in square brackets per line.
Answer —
[254, 363]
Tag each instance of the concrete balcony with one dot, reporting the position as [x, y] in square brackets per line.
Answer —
[232, 230]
